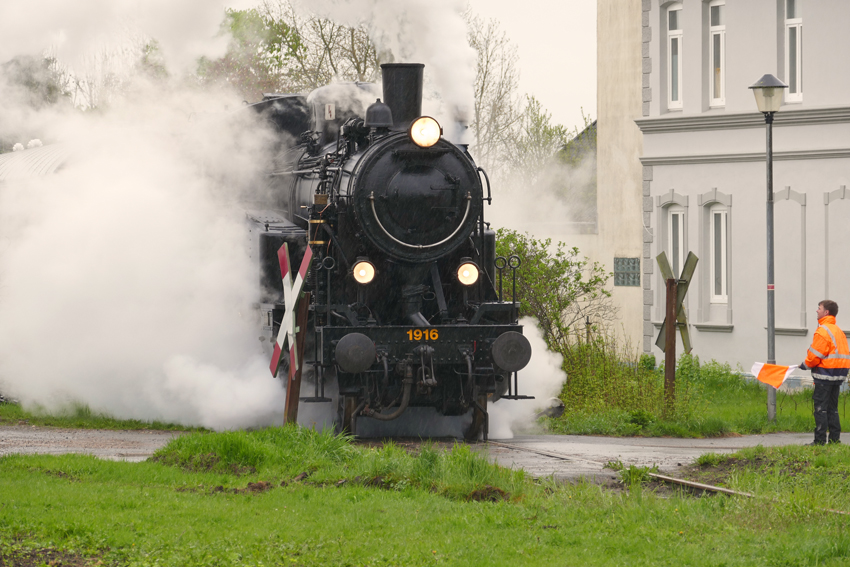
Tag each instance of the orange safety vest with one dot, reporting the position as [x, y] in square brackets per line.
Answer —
[829, 355]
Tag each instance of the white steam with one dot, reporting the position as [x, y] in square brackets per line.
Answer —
[126, 281]
[432, 32]
[561, 201]
[542, 378]
[184, 29]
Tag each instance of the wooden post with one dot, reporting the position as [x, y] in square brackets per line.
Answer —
[670, 346]
[293, 386]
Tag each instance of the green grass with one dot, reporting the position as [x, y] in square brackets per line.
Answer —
[712, 401]
[740, 412]
[281, 453]
[76, 417]
[792, 477]
[151, 513]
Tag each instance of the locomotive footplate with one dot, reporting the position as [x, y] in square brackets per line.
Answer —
[451, 343]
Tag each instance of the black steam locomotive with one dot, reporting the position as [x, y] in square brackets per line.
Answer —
[404, 309]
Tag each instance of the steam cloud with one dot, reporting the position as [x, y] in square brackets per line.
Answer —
[542, 378]
[126, 280]
[560, 202]
[432, 32]
[185, 30]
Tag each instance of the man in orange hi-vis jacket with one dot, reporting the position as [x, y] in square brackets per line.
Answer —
[829, 359]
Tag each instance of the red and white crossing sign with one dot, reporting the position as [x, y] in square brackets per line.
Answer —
[291, 296]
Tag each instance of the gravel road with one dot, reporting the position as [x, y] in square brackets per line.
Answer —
[107, 444]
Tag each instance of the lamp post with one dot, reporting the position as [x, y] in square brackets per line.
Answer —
[768, 93]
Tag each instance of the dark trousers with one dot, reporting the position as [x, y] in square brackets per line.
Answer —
[825, 398]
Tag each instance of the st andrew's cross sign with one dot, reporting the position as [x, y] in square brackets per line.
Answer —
[675, 317]
[681, 289]
[291, 296]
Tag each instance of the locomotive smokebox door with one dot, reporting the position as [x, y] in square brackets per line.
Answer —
[355, 353]
[511, 351]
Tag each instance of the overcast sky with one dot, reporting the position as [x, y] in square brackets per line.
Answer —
[556, 40]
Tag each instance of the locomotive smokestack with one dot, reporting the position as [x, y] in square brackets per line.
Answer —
[403, 92]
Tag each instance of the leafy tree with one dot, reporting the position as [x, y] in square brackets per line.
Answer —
[497, 104]
[151, 63]
[537, 141]
[556, 286]
[257, 56]
[41, 80]
[29, 83]
[110, 72]
[319, 51]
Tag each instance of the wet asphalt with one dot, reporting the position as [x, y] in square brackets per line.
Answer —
[570, 457]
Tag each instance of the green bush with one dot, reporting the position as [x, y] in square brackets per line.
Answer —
[688, 369]
[647, 361]
[641, 417]
[603, 376]
[556, 286]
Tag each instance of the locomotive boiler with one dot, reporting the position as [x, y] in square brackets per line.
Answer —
[405, 287]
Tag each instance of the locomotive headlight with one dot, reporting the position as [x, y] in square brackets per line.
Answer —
[467, 273]
[364, 272]
[425, 132]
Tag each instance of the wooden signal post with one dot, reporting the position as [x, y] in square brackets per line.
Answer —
[293, 386]
[674, 317]
[670, 345]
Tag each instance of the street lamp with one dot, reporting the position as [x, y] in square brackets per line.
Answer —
[768, 93]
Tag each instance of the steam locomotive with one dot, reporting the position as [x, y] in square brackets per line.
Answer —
[405, 304]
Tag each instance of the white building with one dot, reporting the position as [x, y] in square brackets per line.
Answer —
[704, 174]
[619, 244]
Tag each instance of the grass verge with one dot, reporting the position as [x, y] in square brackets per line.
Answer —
[794, 475]
[76, 417]
[154, 513]
[711, 401]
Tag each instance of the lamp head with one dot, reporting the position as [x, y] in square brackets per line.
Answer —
[768, 93]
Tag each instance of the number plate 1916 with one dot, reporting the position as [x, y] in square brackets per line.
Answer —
[423, 334]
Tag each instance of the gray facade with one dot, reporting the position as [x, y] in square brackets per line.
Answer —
[704, 168]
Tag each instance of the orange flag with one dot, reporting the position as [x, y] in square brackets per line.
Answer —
[771, 373]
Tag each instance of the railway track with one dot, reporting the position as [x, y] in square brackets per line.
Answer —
[656, 476]
[659, 477]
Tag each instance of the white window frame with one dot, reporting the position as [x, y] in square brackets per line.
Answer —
[666, 203]
[718, 31]
[723, 296]
[796, 24]
[677, 260]
[674, 36]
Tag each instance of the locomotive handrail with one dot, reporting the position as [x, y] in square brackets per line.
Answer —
[292, 172]
[489, 198]
[421, 246]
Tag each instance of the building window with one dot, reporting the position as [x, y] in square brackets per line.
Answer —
[715, 251]
[676, 241]
[627, 272]
[717, 256]
[717, 52]
[672, 229]
[674, 57]
[794, 50]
